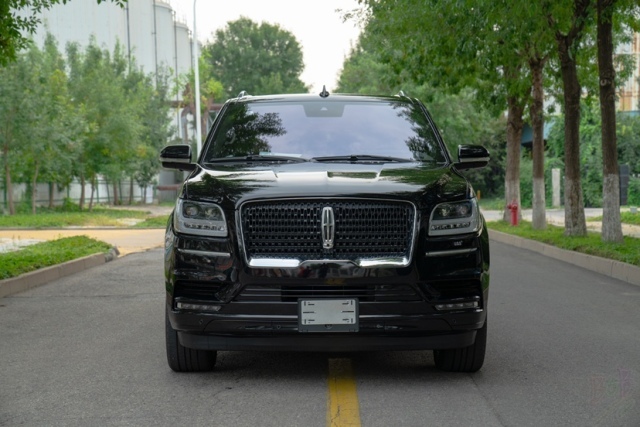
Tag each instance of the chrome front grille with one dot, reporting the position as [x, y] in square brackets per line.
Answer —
[298, 230]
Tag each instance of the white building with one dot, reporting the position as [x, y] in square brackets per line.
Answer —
[629, 92]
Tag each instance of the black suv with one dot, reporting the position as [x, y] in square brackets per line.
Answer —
[326, 223]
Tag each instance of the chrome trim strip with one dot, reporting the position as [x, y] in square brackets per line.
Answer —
[295, 263]
[174, 160]
[205, 253]
[474, 159]
[274, 263]
[390, 262]
[451, 252]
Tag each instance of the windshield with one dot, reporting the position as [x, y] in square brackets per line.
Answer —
[325, 130]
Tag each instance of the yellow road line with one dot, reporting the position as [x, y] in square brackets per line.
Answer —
[342, 406]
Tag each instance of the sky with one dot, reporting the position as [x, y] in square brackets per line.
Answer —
[326, 40]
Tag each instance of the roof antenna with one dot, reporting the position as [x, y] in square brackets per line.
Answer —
[324, 93]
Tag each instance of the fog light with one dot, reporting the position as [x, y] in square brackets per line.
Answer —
[457, 306]
[197, 307]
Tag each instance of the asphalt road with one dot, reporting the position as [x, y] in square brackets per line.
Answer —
[563, 350]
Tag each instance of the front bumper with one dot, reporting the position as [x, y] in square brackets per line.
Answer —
[327, 342]
[257, 309]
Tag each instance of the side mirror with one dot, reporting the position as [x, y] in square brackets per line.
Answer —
[177, 157]
[472, 156]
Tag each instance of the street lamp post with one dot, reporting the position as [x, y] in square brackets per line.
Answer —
[197, 83]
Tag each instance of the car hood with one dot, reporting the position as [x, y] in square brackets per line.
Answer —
[418, 182]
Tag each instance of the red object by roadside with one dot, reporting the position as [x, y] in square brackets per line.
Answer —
[513, 207]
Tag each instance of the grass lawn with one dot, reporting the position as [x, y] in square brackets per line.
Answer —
[46, 254]
[628, 251]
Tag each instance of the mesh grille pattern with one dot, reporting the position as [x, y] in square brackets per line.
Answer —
[363, 229]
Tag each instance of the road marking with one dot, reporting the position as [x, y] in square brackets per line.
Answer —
[343, 408]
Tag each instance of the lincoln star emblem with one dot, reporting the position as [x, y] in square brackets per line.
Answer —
[328, 228]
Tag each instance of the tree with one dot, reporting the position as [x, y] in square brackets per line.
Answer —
[98, 87]
[46, 152]
[606, 11]
[104, 117]
[37, 136]
[483, 45]
[14, 118]
[569, 31]
[611, 226]
[258, 59]
[154, 107]
[459, 117]
[19, 17]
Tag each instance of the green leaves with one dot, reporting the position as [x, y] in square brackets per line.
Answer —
[96, 113]
[257, 58]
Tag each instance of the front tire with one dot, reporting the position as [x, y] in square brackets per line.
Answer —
[467, 359]
[183, 359]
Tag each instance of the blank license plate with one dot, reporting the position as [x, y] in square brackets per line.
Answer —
[332, 315]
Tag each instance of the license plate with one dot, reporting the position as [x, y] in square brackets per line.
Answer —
[328, 315]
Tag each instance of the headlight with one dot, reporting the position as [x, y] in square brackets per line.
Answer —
[454, 218]
[199, 218]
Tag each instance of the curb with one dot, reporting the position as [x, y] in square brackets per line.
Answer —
[45, 275]
[616, 269]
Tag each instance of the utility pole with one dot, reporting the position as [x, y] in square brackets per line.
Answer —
[197, 84]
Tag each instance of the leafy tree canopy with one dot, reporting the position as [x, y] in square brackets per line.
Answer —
[257, 58]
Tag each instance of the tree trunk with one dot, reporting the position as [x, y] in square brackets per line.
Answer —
[51, 204]
[83, 182]
[611, 224]
[515, 124]
[115, 193]
[8, 184]
[130, 191]
[539, 220]
[574, 220]
[93, 189]
[34, 190]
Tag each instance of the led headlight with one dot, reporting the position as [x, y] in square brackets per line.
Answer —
[199, 218]
[454, 218]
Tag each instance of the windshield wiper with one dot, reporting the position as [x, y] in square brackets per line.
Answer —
[361, 158]
[258, 158]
